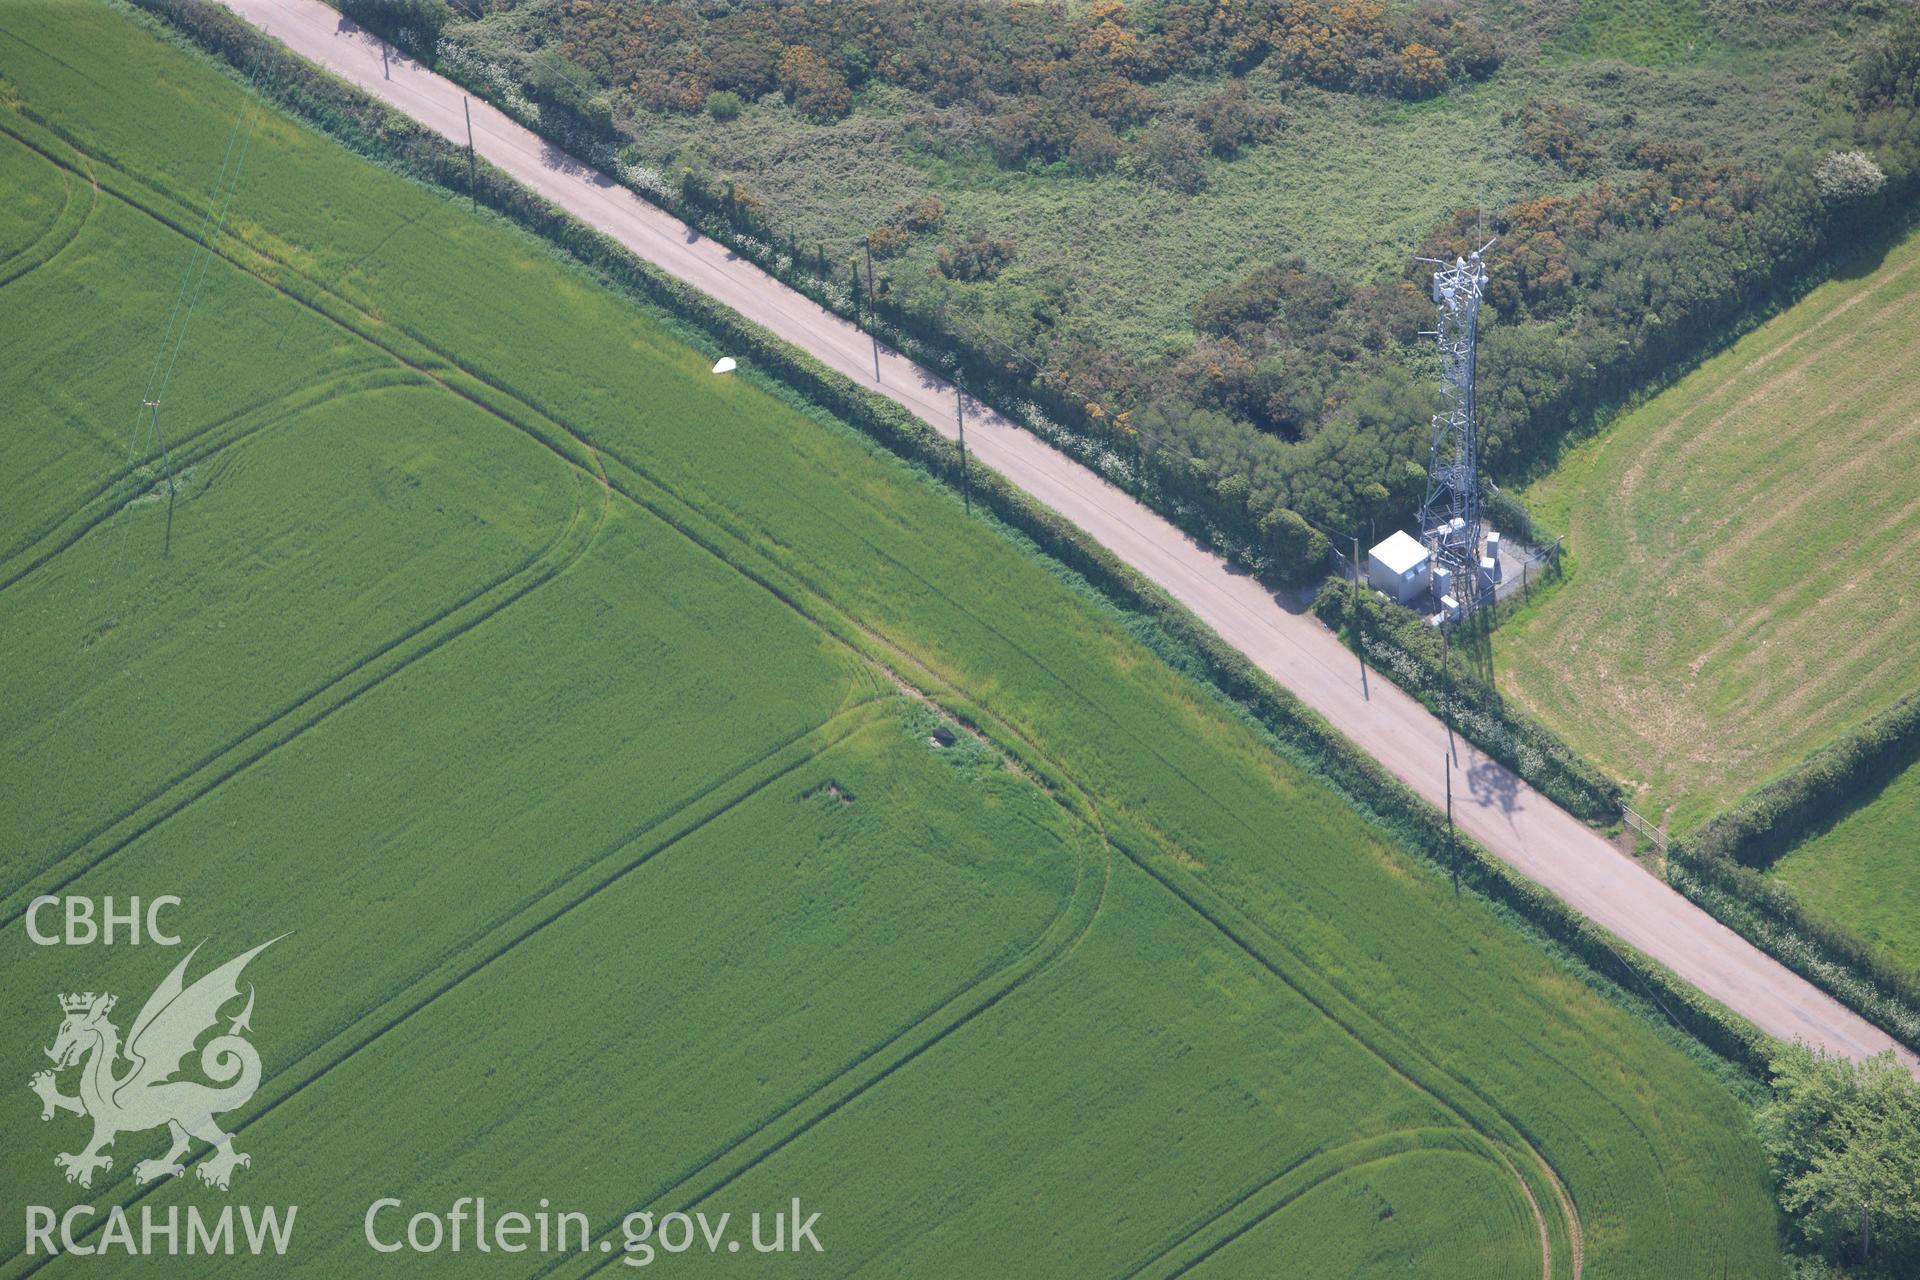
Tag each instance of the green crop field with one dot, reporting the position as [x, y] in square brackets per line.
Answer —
[571, 711]
[1744, 565]
[1865, 870]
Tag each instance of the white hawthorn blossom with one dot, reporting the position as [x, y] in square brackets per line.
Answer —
[1845, 176]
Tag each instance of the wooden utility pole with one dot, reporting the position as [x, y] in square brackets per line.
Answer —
[960, 419]
[473, 167]
[873, 327]
[1453, 848]
[166, 460]
[1446, 701]
[1355, 620]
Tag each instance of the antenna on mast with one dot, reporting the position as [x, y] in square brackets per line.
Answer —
[1451, 524]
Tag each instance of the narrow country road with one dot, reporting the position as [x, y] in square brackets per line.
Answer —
[1504, 814]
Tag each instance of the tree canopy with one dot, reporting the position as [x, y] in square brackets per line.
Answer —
[1844, 1139]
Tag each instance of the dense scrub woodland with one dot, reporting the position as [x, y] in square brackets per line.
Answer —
[1183, 233]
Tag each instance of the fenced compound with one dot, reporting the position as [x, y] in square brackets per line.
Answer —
[1522, 567]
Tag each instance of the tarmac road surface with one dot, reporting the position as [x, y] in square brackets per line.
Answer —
[1496, 808]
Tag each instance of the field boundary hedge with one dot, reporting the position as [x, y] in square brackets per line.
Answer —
[1762, 826]
[370, 128]
[1720, 866]
[1403, 647]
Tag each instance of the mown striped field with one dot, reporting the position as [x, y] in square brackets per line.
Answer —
[1743, 578]
[570, 710]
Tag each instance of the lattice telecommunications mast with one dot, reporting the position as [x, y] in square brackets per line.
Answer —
[1451, 524]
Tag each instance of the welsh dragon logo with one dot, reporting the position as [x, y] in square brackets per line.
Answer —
[146, 1095]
